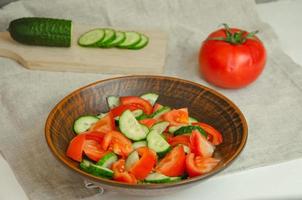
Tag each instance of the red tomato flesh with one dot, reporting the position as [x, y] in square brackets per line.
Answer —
[144, 166]
[180, 139]
[105, 124]
[197, 165]
[120, 174]
[177, 117]
[93, 150]
[137, 101]
[76, 147]
[215, 136]
[148, 122]
[120, 109]
[200, 145]
[173, 164]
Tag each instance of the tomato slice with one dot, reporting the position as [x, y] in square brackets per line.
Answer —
[125, 177]
[93, 150]
[105, 124]
[197, 165]
[145, 164]
[173, 164]
[119, 144]
[120, 174]
[168, 136]
[75, 148]
[215, 136]
[148, 122]
[117, 111]
[94, 135]
[156, 107]
[180, 139]
[177, 117]
[200, 145]
[142, 103]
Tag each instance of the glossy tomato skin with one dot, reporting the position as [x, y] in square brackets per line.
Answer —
[144, 166]
[231, 65]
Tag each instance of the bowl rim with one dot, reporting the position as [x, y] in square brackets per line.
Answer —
[113, 183]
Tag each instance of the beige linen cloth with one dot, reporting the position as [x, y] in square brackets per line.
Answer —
[272, 105]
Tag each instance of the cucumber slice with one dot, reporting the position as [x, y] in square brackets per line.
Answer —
[144, 41]
[187, 149]
[151, 97]
[107, 160]
[189, 129]
[83, 123]
[131, 160]
[109, 37]
[160, 126]
[175, 179]
[161, 178]
[157, 142]
[139, 144]
[160, 112]
[91, 38]
[172, 129]
[113, 101]
[132, 39]
[143, 116]
[96, 170]
[192, 120]
[137, 112]
[101, 115]
[145, 128]
[119, 38]
[130, 127]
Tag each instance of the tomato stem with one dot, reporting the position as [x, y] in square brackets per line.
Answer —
[238, 37]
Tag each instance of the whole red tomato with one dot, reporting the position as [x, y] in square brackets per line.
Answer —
[231, 58]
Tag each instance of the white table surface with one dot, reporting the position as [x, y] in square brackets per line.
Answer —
[281, 181]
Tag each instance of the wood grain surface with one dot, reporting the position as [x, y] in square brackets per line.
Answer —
[150, 59]
[203, 103]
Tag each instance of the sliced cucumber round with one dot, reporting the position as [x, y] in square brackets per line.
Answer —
[107, 160]
[160, 126]
[189, 129]
[130, 127]
[157, 142]
[151, 97]
[161, 178]
[145, 128]
[101, 115]
[187, 149]
[131, 160]
[172, 129]
[137, 112]
[109, 37]
[113, 101]
[119, 38]
[139, 144]
[192, 120]
[83, 123]
[132, 39]
[160, 112]
[144, 41]
[92, 37]
[96, 170]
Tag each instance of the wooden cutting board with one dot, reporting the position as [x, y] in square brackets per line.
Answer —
[150, 59]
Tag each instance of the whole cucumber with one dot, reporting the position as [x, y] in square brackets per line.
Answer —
[41, 31]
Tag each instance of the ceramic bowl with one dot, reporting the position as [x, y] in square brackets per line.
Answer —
[205, 104]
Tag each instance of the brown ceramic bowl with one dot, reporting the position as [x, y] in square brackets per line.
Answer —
[204, 103]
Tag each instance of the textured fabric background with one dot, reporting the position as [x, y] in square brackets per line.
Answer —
[272, 105]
